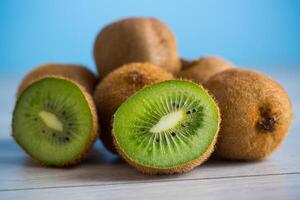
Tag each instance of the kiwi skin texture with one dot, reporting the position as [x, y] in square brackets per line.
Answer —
[202, 69]
[178, 169]
[184, 63]
[94, 135]
[136, 40]
[117, 86]
[256, 114]
[77, 73]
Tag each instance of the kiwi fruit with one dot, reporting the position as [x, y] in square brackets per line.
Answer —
[136, 40]
[256, 114]
[167, 127]
[202, 69]
[184, 63]
[117, 86]
[55, 121]
[77, 73]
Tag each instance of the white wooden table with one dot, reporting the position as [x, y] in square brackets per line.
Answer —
[104, 176]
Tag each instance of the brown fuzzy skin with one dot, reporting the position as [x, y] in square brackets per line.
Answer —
[77, 73]
[184, 64]
[256, 114]
[136, 40]
[202, 69]
[94, 135]
[116, 87]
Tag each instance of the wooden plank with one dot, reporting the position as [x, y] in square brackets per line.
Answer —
[261, 187]
[20, 172]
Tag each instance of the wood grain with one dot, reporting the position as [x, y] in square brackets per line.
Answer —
[263, 187]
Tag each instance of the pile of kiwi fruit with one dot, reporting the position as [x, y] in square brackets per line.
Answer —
[162, 114]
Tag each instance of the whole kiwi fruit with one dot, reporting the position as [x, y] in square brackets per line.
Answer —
[202, 69]
[136, 40]
[256, 114]
[117, 86]
[77, 73]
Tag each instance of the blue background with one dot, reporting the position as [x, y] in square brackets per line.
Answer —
[257, 33]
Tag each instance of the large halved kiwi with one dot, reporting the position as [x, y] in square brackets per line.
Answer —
[55, 121]
[167, 127]
[256, 114]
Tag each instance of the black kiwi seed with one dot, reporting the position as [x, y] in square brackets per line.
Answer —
[43, 131]
[35, 119]
[188, 112]
[194, 110]
[173, 134]
[67, 139]
[183, 125]
[177, 106]
[63, 112]
[53, 134]
[157, 139]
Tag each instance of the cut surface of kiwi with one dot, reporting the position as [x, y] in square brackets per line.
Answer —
[167, 127]
[54, 121]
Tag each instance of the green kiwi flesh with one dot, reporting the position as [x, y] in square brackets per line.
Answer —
[53, 121]
[167, 127]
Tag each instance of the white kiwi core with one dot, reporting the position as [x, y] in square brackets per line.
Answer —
[168, 121]
[51, 120]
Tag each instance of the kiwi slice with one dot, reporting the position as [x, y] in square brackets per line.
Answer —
[54, 121]
[167, 127]
[256, 114]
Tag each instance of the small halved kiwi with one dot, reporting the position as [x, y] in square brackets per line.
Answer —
[256, 114]
[117, 86]
[55, 121]
[77, 73]
[202, 69]
[167, 127]
[136, 40]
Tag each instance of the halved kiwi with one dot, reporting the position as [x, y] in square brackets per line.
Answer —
[167, 127]
[55, 121]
